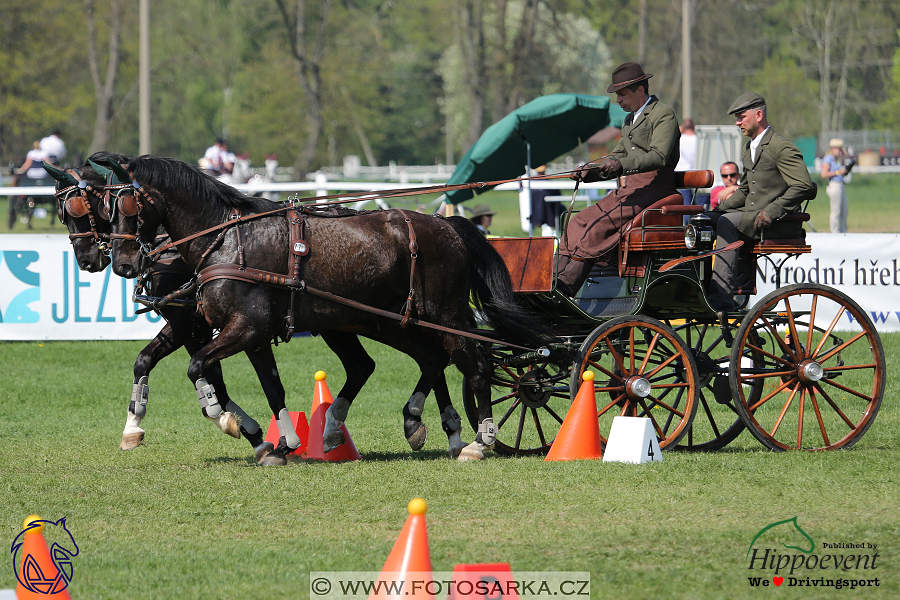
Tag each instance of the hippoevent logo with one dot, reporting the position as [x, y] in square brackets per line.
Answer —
[782, 553]
[40, 569]
[17, 263]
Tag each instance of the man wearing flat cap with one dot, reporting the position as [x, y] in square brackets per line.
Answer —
[646, 156]
[775, 182]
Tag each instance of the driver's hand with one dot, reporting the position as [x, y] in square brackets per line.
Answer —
[762, 221]
[587, 174]
[610, 168]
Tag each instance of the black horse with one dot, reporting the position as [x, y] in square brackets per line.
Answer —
[365, 257]
[79, 195]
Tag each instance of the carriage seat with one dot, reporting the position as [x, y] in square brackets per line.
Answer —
[786, 245]
[660, 226]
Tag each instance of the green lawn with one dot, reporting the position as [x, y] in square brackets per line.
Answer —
[189, 514]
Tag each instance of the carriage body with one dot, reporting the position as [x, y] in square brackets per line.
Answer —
[781, 367]
[22, 207]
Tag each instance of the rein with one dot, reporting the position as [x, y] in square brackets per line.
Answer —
[350, 197]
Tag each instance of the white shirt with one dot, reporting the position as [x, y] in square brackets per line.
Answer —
[36, 170]
[53, 146]
[754, 144]
[688, 150]
[638, 112]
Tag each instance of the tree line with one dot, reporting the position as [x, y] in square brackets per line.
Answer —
[417, 81]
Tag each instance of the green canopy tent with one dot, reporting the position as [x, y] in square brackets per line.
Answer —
[532, 135]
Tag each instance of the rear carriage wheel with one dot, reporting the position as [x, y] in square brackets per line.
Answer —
[822, 369]
[717, 422]
[530, 398]
[641, 369]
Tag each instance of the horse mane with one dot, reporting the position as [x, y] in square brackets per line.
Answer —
[171, 173]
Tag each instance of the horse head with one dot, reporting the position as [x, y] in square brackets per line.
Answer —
[126, 208]
[78, 196]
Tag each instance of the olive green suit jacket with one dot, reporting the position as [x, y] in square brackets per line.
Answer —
[650, 142]
[777, 182]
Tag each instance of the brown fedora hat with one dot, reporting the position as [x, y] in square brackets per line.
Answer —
[626, 74]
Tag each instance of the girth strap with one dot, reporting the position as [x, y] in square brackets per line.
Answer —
[414, 253]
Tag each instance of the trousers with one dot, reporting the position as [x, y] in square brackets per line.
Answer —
[837, 217]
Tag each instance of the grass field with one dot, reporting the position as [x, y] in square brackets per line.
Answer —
[189, 515]
[873, 203]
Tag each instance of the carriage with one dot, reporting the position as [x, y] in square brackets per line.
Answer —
[802, 368]
[22, 207]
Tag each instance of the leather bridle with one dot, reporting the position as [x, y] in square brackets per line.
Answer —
[74, 201]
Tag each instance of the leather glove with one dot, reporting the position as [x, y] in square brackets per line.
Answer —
[587, 174]
[610, 168]
[762, 221]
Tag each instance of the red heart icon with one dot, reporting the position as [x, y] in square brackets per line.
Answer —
[778, 580]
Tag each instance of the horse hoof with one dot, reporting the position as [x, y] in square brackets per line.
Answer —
[455, 451]
[332, 440]
[471, 452]
[417, 439]
[263, 450]
[228, 424]
[272, 460]
[130, 441]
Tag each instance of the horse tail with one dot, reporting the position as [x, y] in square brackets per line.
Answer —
[492, 291]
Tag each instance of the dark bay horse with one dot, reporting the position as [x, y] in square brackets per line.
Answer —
[78, 208]
[365, 257]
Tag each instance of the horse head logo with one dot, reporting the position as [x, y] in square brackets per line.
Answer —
[787, 533]
[37, 576]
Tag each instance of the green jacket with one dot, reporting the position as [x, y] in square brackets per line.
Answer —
[777, 182]
[651, 142]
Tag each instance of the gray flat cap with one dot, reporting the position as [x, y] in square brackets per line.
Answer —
[746, 101]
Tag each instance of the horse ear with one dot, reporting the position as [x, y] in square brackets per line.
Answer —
[101, 170]
[120, 173]
[61, 176]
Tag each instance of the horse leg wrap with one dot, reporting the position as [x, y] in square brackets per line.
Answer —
[140, 392]
[452, 425]
[332, 436]
[487, 433]
[416, 404]
[209, 404]
[286, 429]
[248, 423]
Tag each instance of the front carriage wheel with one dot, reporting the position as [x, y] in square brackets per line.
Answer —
[641, 369]
[822, 369]
[530, 398]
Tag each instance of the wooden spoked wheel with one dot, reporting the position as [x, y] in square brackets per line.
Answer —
[529, 399]
[717, 422]
[641, 369]
[822, 367]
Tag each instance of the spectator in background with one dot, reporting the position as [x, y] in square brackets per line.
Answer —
[482, 215]
[688, 149]
[218, 160]
[53, 146]
[33, 167]
[834, 172]
[730, 175]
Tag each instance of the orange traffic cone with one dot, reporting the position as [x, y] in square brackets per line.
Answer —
[579, 436]
[409, 557]
[321, 401]
[298, 420]
[38, 576]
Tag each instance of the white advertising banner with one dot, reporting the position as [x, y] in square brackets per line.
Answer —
[43, 295]
[865, 266]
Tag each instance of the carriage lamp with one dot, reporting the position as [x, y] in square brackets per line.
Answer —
[699, 234]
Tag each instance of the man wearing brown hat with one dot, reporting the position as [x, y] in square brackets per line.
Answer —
[646, 156]
[774, 183]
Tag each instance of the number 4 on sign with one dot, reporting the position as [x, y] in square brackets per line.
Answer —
[632, 440]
